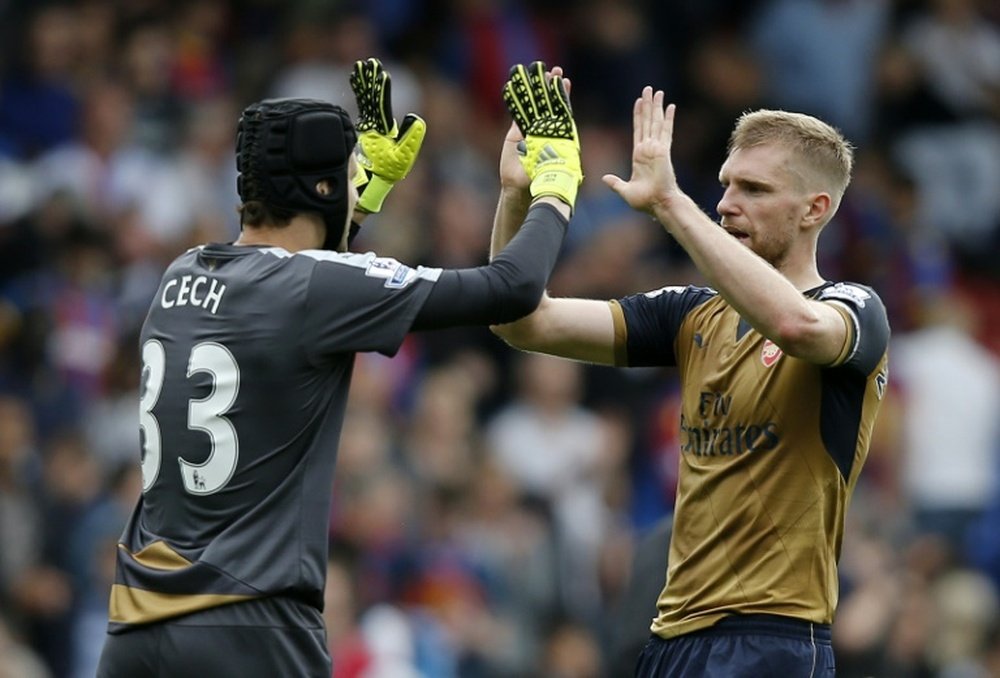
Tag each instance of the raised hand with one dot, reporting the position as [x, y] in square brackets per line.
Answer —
[512, 174]
[386, 151]
[653, 181]
[539, 103]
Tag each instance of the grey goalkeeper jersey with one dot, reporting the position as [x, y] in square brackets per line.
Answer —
[247, 356]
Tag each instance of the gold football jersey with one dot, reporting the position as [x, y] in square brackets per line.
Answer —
[771, 449]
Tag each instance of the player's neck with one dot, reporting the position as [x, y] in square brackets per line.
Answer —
[799, 266]
[301, 233]
[804, 279]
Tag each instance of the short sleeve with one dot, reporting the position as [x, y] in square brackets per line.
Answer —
[653, 319]
[361, 302]
[869, 324]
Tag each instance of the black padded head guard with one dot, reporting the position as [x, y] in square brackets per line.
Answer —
[285, 146]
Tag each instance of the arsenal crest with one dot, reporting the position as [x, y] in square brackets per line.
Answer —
[770, 353]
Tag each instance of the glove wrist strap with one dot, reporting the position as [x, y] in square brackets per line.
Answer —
[374, 194]
[559, 184]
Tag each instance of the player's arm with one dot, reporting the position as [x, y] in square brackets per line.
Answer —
[810, 330]
[507, 288]
[580, 329]
[510, 287]
[806, 329]
[540, 167]
[515, 194]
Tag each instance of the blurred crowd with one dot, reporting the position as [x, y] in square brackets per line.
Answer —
[489, 504]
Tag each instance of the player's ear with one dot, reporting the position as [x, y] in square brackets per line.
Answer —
[323, 187]
[818, 209]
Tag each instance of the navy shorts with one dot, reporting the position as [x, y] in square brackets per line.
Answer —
[253, 639]
[742, 646]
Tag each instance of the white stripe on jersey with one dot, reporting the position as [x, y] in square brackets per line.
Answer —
[854, 320]
[395, 273]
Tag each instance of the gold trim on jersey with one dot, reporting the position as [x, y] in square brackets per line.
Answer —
[621, 333]
[136, 606]
[130, 605]
[158, 556]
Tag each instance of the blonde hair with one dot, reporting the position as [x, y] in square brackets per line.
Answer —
[823, 150]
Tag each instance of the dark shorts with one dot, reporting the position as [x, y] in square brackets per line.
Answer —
[259, 638]
[742, 646]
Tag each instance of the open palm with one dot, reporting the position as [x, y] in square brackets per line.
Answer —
[653, 180]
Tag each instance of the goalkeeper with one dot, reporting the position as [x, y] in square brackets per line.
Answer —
[247, 353]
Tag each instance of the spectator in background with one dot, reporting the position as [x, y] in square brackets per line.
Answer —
[91, 548]
[600, 218]
[722, 78]
[556, 449]
[18, 660]
[459, 627]
[109, 420]
[510, 537]
[30, 245]
[320, 48]
[40, 105]
[441, 442]
[110, 176]
[880, 236]
[460, 225]
[571, 651]
[149, 54]
[20, 529]
[73, 304]
[206, 171]
[202, 66]
[373, 518]
[951, 433]
[630, 630]
[70, 484]
[681, 27]
[959, 51]
[34, 592]
[477, 42]
[96, 31]
[348, 649]
[956, 163]
[610, 45]
[818, 56]
[389, 637]
[967, 615]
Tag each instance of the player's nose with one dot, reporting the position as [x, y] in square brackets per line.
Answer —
[727, 205]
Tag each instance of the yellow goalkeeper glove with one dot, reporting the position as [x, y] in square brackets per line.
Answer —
[385, 151]
[540, 107]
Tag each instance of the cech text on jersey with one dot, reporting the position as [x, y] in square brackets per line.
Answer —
[190, 290]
